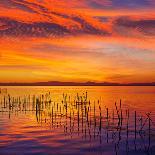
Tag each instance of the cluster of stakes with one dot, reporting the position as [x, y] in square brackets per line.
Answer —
[81, 117]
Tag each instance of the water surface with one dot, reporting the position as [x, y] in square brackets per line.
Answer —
[77, 120]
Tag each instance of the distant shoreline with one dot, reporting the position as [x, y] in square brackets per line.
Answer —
[57, 83]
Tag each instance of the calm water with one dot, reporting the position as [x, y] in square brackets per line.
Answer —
[77, 120]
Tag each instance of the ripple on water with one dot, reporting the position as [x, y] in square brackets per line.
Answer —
[30, 133]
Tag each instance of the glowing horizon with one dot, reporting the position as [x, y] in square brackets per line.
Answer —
[79, 41]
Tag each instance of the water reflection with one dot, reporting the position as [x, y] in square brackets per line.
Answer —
[87, 120]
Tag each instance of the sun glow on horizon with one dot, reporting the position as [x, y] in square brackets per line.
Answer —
[89, 42]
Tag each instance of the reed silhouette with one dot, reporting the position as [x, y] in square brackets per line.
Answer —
[81, 117]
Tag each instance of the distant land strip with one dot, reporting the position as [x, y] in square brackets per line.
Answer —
[57, 83]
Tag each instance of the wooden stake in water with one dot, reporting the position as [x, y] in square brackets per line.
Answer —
[135, 125]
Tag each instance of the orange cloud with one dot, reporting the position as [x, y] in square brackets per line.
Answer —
[75, 41]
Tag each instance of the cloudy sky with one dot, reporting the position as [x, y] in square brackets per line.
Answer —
[72, 40]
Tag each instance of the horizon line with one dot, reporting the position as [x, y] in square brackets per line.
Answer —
[89, 83]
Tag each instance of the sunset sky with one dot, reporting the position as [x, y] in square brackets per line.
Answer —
[77, 40]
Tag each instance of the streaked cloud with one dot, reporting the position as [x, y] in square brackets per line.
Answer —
[135, 27]
[108, 40]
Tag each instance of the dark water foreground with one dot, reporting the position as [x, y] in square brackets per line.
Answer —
[77, 121]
